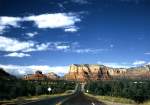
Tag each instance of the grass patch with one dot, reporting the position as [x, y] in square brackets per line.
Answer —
[25, 99]
[113, 99]
[146, 103]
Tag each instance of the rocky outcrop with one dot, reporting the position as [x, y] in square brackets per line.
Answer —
[139, 72]
[87, 72]
[39, 76]
[92, 72]
[52, 76]
[117, 71]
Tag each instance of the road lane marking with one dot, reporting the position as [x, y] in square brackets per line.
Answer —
[93, 103]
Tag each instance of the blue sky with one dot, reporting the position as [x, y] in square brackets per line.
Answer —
[49, 35]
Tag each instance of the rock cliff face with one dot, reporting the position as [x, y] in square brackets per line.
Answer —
[90, 72]
[39, 76]
[52, 76]
[117, 71]
[139, 72]
[87, 72]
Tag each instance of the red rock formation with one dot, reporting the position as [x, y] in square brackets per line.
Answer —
[139, 72]
[52, 76]
[39, 76]
[117, 72]
[87, 72]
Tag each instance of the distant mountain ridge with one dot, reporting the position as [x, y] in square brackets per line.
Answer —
[86, 72]
[6, 76]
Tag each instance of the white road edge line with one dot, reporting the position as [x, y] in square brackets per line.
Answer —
[93, 103]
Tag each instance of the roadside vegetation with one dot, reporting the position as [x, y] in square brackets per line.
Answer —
[137, 90]
[111, 100]
[146, 103]
[10, 89]
[27, 99]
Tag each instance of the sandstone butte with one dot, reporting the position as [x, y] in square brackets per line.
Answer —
[93, 72]
[87, 72]
[40, 76]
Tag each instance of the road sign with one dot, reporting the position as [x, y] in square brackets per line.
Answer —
[49, 89]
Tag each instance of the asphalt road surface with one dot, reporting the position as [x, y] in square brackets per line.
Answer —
[76, 99]
[49, 101]
[81, 99]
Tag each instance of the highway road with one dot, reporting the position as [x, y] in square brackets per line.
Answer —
[78, 98]
[49, 101]
[81, 99]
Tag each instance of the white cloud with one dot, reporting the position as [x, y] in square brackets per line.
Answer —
[73, 47]
[65, 21]
[8, 44]
[135, 1]
[38, 47]
[47, 69]
[14, 45]
[15, 54]
[41, 47]
[139, 62]
[56, 20]
[88, 50]
[71, 29]
[114, 64]
[12, 21]
[80, 1]
[31, 34]
[30, 69]
[16, 69]
[147, 53]
[6, 22]
[61, 6]
[2, 29]
[61, 47]
[51, 46]
[111, 45]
